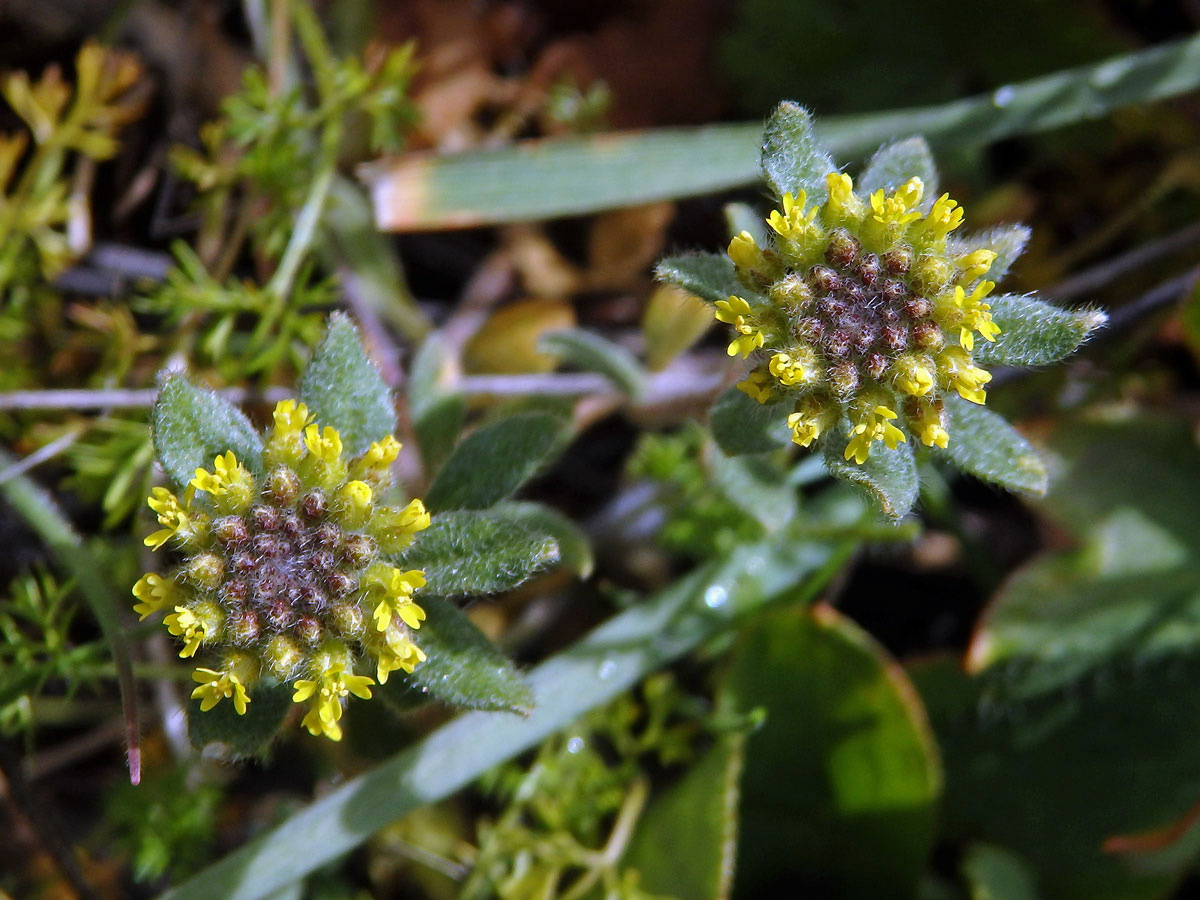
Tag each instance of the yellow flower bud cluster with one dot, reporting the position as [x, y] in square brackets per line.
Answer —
[283, 577]
[859, 311]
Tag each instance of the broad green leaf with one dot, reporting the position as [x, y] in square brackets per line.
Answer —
[543, 179]
[756, 485]
[889, 477]
[983, 444]
[656, 631]
[1034, 332]
[1053, 779]
[246, 735]
[793, 159]
[574, 546]
[993, 873]
[342, 388]
[842, 781]
[494, 461]
[437, 413]
[463, 667]
[710, 276]
[1006, 241]
[686, 843]
[894, 164]
[592, 353]
[464, 553]
[192, 426]
[740, 424]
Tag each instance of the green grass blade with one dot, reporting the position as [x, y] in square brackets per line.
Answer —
[590, 673]
[573, 176]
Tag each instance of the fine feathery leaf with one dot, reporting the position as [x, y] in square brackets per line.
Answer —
[245, 735]
[464, 553]
[1006, 241]
[888, 476]
[1034, 332]
[592, 353]
[983, 444]
[464, 668]
[894, 164]
[193, 425]
[342, 388]
[494, 461]
[710, 276]
[793, 160]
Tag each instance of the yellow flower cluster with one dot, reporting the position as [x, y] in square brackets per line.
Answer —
[283, 574]
[862, 313]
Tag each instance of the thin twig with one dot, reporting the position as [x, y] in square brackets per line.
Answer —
[122, 398]
[39, 456]
[1108, 271]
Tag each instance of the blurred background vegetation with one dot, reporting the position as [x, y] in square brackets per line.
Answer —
[776, 693]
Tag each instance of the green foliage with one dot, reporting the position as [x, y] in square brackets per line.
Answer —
[893, 164]
[1006, 241]
[342, 388]
[986, 446]
[709, 276]
[437, 413]
[168, 824]
[574, 545]
[888, 477]
[464, 668]
[740, 424]
[793, 160]
[1034, 333]
[994, 873]
[592, 353]
[493, 461]
[856, 810]
[467, 552]
[193, 425]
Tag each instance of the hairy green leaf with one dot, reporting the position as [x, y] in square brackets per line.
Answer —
[983, 444]
[1034, 332]
[463, 667]
[793, 160]
[740, 424]
[437, 413]
[247, 735]
[193, 425]
[894, 164]
[342, 388]
[592, 353]
[755, 484]
[464, 553]
[574, 546]
[710, 276]
[889, 477]
[494, 461]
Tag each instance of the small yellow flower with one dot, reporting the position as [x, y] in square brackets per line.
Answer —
[872, 426]
[398, 653]
[964, 377]
[285, 444]
[374, 466]
[793, 222]
[843, 204]
[353, 503]
[229, 484]
[290, 417]
[901, 207]
[175, 517]
[737, 312]
[155, 593]
[976, 315]
[325, 445]
[913, 376]
[945, 216]
[397, 588]
[798, 367]
[216, 686]
[186, 624]
[757, 385]
[326, 694]
[394, 527]
[744, 251]
[928, 425]
[975, 264]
